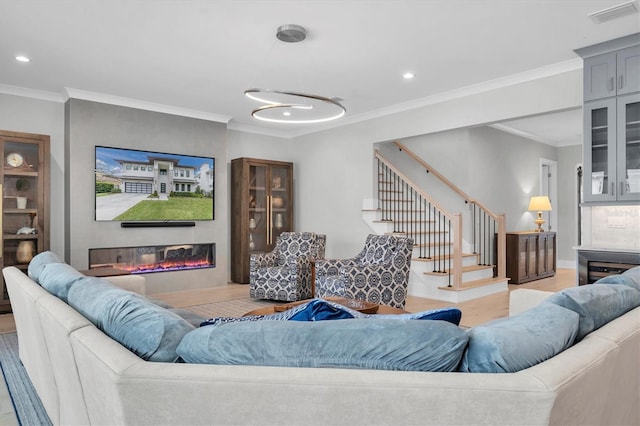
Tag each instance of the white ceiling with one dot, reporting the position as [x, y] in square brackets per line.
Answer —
[198, 56]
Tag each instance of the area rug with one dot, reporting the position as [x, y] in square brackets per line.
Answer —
[230, 308]
[26, 403]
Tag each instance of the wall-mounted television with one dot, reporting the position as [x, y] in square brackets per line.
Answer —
[153, 187]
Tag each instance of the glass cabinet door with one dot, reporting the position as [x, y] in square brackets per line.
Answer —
[280, 201]
[629, 147]
[258, 208]
[600, 153]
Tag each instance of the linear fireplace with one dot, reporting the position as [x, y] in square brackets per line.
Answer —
[159, 258]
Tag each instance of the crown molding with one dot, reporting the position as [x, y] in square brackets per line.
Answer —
[144, 105]
[247, 128]
[8, 89]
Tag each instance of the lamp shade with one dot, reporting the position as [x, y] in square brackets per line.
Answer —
[540, 203]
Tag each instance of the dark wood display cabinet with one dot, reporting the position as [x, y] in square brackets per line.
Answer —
[261, 209]
[530, 256]
[24, 177]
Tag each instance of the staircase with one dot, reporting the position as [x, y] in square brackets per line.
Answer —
[457, 256]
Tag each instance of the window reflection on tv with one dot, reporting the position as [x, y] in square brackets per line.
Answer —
[134, 185]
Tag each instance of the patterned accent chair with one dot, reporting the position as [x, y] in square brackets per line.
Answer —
[378, 274]
[285, 273]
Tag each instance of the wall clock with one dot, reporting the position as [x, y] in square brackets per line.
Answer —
[14, 159]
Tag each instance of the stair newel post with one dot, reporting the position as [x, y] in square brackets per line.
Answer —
[502, 247]
[449, 260]
[429, 235]
[394, 193]
[421, 226]
[474, 229]
[457, 250]
[379, 195]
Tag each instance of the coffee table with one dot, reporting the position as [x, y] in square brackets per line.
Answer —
[267, 310]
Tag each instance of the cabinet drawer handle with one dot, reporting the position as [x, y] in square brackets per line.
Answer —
[620, 81]
[613, 188]
[612, 84]
[621, 188]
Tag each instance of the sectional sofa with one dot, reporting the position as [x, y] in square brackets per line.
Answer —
[83, 376]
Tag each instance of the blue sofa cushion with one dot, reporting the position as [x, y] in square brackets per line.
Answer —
[38, 262]
[351, 343]
[57, 279]
[630, 278]
[146, 329]
[634, 274]
[151, 332]
[512, 344]
[596, 304]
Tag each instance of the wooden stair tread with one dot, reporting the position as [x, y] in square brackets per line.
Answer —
[436, 258]
[469, 268]
[404, 221]
[473, 284]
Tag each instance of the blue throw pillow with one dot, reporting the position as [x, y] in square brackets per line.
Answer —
[596, 304]
[353, 343]
[512, 344]
[38, 262]
[57, 279]
[619, 279]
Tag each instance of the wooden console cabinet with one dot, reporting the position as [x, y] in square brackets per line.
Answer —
[530, 256]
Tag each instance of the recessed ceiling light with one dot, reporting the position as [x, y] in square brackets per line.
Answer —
[614, 12]
[22, 58]
[408, 75]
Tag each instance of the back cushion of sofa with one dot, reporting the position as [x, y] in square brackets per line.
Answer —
[38, 262]
[148, 330]
[58, 278]
[512, 344]
[596, 304]
[348, 343]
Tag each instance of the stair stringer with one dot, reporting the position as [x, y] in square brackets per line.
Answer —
[435, 286]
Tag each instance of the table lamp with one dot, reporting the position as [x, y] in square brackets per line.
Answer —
[540, 204]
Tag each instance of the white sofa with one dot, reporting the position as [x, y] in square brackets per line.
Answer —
[85, 377]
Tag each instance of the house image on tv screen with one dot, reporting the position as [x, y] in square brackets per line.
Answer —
[147, 173]
[158, 175]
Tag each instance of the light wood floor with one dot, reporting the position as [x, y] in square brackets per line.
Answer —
[474, 312]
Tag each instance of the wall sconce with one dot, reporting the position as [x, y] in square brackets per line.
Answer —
[540, 204]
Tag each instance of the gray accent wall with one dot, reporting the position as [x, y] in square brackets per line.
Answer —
[90, 124]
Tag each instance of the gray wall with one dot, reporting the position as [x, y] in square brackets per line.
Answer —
[91, 124]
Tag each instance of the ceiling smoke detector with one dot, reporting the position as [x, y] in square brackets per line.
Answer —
[618, 11]
[291, 33]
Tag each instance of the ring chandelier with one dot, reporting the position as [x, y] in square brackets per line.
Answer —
[290, 107]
